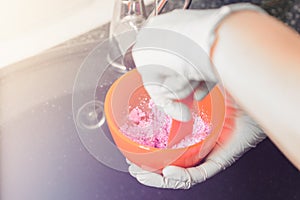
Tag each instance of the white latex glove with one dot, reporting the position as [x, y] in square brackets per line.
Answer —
[171, 64]
[232, 144]
[172, 55]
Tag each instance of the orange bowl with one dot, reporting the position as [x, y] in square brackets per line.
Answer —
[128, 92]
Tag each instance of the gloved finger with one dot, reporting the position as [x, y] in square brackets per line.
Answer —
[188, 177]
[128, 161]
[174, 90]
[178, 87]
[170, 84]
[203, 89]
[176, 173]
[178, 111]
[159, 61]
[199, 94]
[159, 181]
[135, 170]
[151, 179]
[178, 177]
[204, 171]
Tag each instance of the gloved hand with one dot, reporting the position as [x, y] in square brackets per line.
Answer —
[172, 54]
[169, 56]
[232, 144]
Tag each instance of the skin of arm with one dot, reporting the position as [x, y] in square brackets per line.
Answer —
[258, 59]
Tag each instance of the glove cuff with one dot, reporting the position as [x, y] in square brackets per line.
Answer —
[224, 12]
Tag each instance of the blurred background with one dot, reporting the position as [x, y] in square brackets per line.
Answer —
[32, 26]
[29, 27]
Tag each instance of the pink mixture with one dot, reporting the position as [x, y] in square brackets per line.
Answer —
[152, 128]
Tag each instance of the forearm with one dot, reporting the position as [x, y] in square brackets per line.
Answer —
[258, 59]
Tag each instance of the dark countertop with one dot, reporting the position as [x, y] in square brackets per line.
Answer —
[288, 11]
[43, 156]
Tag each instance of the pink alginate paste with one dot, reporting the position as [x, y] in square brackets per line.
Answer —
[152, 128]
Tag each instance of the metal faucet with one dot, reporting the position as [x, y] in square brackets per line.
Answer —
[159, 5]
